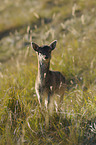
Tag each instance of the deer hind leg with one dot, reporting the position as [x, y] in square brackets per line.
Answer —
[58, 100]
[60, 103]
[61, 99]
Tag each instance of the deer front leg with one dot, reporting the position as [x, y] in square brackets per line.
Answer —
[47, 100]
[39, 97]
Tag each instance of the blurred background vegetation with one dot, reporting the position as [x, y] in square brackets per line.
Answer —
[73, 24]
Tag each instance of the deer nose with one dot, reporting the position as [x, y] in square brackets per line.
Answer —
[46, 57]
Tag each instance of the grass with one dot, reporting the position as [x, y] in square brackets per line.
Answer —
[21, 119]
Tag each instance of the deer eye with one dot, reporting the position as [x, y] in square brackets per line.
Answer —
[49, 50]
[39, 52]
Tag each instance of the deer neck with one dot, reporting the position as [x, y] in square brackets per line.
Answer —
[43, 72]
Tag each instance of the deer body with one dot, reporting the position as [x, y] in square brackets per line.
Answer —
[49, 84]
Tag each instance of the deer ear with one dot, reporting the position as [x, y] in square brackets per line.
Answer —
[53, 44]
[35, 46]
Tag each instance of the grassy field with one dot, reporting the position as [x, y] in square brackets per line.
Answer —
[73, 25]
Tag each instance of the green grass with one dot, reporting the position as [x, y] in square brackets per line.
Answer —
[21, 119]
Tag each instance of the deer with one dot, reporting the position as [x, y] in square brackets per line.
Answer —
[49, 85]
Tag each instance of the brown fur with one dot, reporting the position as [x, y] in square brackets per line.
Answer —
[50, 85]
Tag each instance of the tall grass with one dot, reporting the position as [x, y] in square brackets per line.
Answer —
[23, 122]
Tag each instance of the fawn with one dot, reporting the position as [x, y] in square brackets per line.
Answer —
[49, 84]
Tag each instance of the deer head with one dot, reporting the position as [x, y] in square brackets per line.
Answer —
[44, 52]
